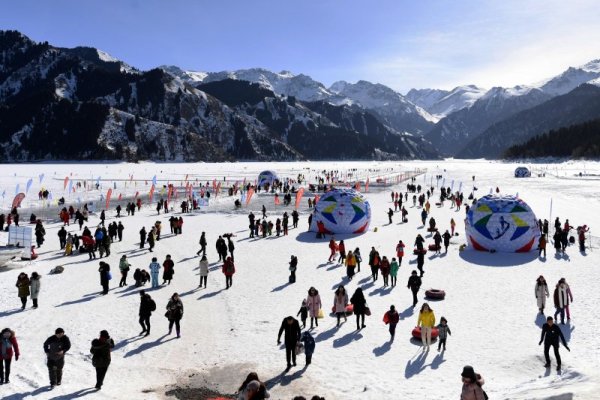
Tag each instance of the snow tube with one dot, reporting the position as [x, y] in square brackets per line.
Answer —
[349, 309]
[433, 247]
[437, 294]
[416, 333]
[416, 251]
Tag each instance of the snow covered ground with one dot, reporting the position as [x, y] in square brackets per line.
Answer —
[490, 303]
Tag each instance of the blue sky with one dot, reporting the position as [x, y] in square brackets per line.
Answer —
[403, 44]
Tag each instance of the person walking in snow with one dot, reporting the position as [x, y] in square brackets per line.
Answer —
[175, 313]
[414, 284]
[154, 268]
[340, 301]
[120, 229]
[385, 270]
[291, 327]
[542, 246]
[151, 239]
[400, 251]
[374, 262]
[293, 266]
[168, 270]
[426, 321]
[309, 346]
[203, 265]
[124, 267]
[550, 335]
[228, 270]
[303, 312]
[359, 304]
[104, 271]
[446, 236]
[202, 243]
[541, 293]
[358, 258]
[390, 214]
[142, 237]
[394, 267]
[391, 318]
[562, 298]
[8, 347]
[342, 250]
[443, 332]
[313, 302]
[100, 350]
[35, 285]
[333, 248]
[55, 348]
[147, 305]
[350, 265]
[23, 291]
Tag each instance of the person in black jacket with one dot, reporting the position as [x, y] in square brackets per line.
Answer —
[104, 271]
[360, 307]
[202, 245]
[143, 235]
[414, 284]
[292, 336]
[101, 356]
[550, 335]
[55, 348]
[147, 305]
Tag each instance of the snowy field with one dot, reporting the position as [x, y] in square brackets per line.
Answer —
[490, 303]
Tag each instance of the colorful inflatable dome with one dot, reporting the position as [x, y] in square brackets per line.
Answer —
[501, 223]
[342, 211]
[267, 177]
[522, 172]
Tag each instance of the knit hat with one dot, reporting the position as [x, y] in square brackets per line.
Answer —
[59, 330]
[104, 334]
[469, 372]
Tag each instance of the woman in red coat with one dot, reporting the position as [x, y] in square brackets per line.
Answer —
[8, 347]
[228, 270]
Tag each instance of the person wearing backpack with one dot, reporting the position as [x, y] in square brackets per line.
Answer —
[147, 305]
[228, 270]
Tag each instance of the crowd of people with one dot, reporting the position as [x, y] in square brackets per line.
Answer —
[295, 340]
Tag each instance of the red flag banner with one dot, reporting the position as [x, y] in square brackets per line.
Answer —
[367, 185]
[17, 200]
[136, 195]
[277, 201]
[299, 195]
[108, 194]
[151, 195]
[120, 196]
[249, 195]
[66, 181]
[357, 186]
[218, 189]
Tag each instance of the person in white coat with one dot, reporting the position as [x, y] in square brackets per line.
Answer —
[541, 293]
[35, 288]
[203, 271]
[340, 301]
[313, 303]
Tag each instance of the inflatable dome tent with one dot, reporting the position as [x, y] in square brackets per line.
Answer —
[267, 177]
[522, 172]
[501, 223]
[342, 211]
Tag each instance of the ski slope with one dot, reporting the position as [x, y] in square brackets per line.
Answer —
[490, 303]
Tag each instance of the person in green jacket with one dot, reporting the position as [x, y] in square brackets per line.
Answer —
[394, 267]
[101, 356]
[124, 267]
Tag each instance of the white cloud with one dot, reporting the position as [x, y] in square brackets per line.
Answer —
[500, 45]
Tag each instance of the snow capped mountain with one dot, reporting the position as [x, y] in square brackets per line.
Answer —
[186, 76]
[426, 98]
[302, 87]
[441, 103]
[391, 106]
[571, 78]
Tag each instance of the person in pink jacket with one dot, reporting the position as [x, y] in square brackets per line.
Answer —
[313, 303]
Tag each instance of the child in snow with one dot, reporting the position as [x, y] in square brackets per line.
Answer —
[309, 346]
[303, 313]
[444, 331]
